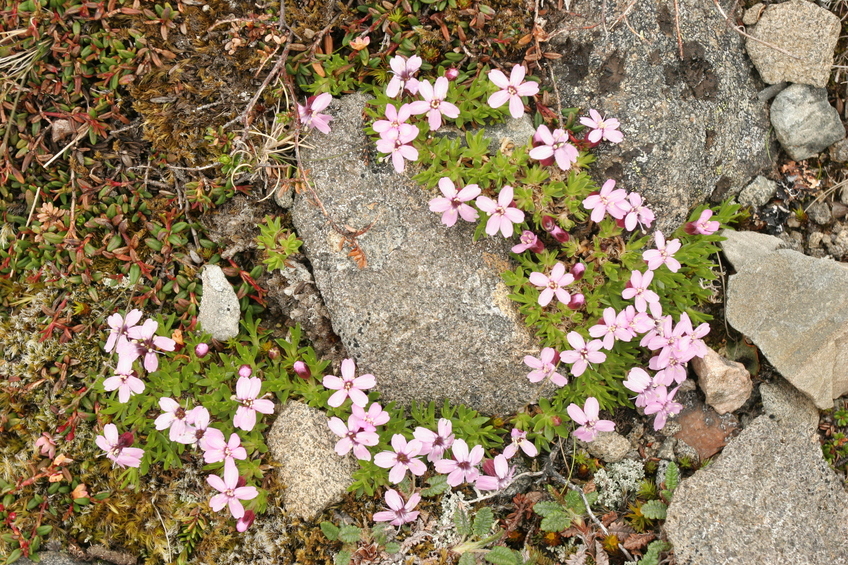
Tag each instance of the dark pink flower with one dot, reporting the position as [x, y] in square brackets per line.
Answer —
[554, 144]
[528, 241]
[702, 225]
[117, 447]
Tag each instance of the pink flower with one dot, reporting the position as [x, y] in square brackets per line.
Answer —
[606, 201]
[245, 521]
[554, 144]
[375, 416]
[198, 423]
[590, 425]
[353, 437]
[434, 104]
[550, 226]
[702, 225]
[117, 447]
[452, 73]
[435, 444]
[147, 343]
[124, 381]
[511, 90]
[463, 467]
[501, 215]
[637, 287]
[301, 369]
[399, 148]
[454, 203]
[552, 285]
[247, 393]
[201, 349]
[545, 367]
[230, 493]
[663, 405]
[395, 123]
[528, 241]
[637, 322]
[663, 254]
[219, 450]
[309, 115]
[635, 212]
[245, 371]
[403, 70]
[119, 327]
[403, 458]
[601, 128]
[583, 353]
[610, 328]
[519, 439]
[399, 513]
[46, 444]
[173, 418]
[349, 385]
[498, 477]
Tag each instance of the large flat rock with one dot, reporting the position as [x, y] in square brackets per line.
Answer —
[429, 315]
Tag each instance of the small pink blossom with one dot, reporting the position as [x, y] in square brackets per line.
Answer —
[395, 123]
[519, 440]
[637, 288]
[149, 344]
[553, 285]
[663, 254]
[434, 444]
[501, 214]
[349, 385]
[583, 353]
[703, 225]
[577, 301]
[635, 212]
[499, 474]
[124, 380]
[545, 367]
[230, 493]
[245, 521]
[463, 466]
[219, 450]
[403, 458]
[398, 513]
[375, 416]
[610, 328]
[46, 444]
[452, 74]
[119, 327]
[201, 349]
[247, 394]
[173, 418]
[354, 437]
[512, 90]
[197, 420]
[434, 103]
[587, 417]
[454, 202]
[664, 406]
[403, 78]
[309, 116]
[606, 129]
[245, 371]
[554, 144]
[605, 202]
[117, 447]
[301, 369]
[399, 148]
[528, 241]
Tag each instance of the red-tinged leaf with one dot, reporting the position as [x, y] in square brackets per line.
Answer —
[638, 542]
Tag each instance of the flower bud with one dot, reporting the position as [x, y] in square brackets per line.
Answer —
[560, 234]
[274, 353]
[245, 371]
[489, 467]
[548, 223]
[245, 521]
[577, 302]
[201, 349]
[301, 369]
[126, 439]
[577, 271]
[556, 421]
[452, 73]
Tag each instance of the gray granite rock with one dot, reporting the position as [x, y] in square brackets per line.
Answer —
[758, 193]
[314, 475]
[611, 447]
[726, 384]
[219, 307]
[428, 315]
[789, 407]
[743, 247]
[691, 128]
[819, 212]
[795, 309]
[804, 122]
[798, 27]
[769, 498]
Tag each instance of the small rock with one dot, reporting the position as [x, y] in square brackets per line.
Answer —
[219, 306]
[752, 14]
[743, 247]
[284, 196]
[815, 239]
[804, 122]
[839, 211]
[726, 384]
[802, 29]
[666, 450]
[789, 407]
[758, 193]
[703, 429]
[314, 475]
[819, 212]
[839, 152]
[611, 447]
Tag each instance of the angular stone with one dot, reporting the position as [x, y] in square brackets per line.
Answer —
[611, 447]
[726, 384]
[789, 407]
[800, 28]
[428, 314]
[758, 193]
[795, 309]
[219, 306]
[804, 121]
[769, 498]
[704, 430]
[743, 247]
[691, 128]
[314, 475]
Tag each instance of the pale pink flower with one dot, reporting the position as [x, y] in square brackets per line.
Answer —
[663, 254]
[587, 417]
[399, 148]
[552, 285]
[501, 214]
[395, 123]
[309, 115]
[434, 444]
[635, 212]
[46, 444]
[528, 241]
[583, 353]
[124, 381]
[512, 90]
[198, 423]
[545, 367]
[463, 466]
[403, 78]
[201, 349]
[703, 225]
[230, 493]
[119, 326]
[663, 405]
[454, 202]
[354, 437]
[519, 439]
[636, 322]
[403, 458]
[398, 513]
[375, 416]
[637, 288]
[173, 418]
[434, 104]
[605, 202]
[498, 477]
[149, 344]
[554, 144]
[349, 385]
[219, 450]
[606, 129]
[247, 394]
[117, 447]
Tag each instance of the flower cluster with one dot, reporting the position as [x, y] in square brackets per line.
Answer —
[627, 209]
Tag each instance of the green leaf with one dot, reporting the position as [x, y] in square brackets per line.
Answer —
[483, 521]
[502, 556]
[44, 530]
[17, 554]
[342, 557]
[331, 531]
[672, 476]
[350, 534]
[654, 510]
[392, 547]
[652, 556]
[438, 485]
[467, 559]
[462, 522]
[555, 519]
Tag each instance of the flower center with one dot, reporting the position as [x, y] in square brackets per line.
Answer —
[553, 285]
[348, 385]
[180, 413]
[434, 104]
[402, 458]
[464, 465]
[511, 90]
[500, 211]
[229, 492]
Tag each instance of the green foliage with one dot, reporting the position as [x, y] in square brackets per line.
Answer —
[557, 516]
[277, 243]
[652, 555]
[654, 509]
[841, 417]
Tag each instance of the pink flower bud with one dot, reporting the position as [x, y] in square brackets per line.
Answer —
[556, 420]
[550, 225]
[245, 521]
[452, 73]
[489, 467]
[577, 271]
[126, 439]
[274, 353]
[301, 369]
[245, 371]
[577, 302]
[201, 349]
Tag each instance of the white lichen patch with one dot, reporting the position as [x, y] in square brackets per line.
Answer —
[617, 480]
